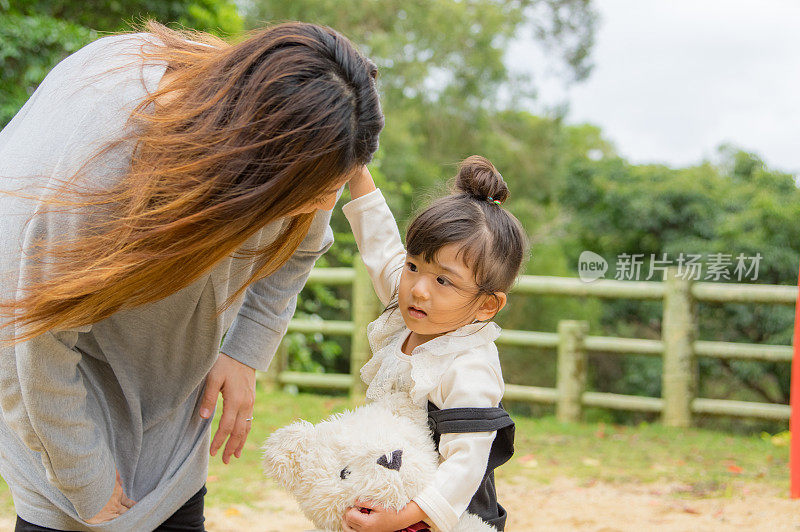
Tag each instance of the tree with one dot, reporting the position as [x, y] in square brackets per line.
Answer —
[736, 207]
[37, 34]
[434, 49]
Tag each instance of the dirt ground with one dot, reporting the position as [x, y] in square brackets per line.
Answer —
[567, 504]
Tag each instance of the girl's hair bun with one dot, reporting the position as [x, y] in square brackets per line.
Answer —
[479, 178]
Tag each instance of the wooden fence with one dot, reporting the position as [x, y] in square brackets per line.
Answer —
[678, 346]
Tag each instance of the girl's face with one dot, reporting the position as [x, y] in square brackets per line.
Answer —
[438, 297]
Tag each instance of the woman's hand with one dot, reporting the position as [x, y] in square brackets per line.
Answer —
[380, 519]
[361, 183]
[117, 505]
[237, 383]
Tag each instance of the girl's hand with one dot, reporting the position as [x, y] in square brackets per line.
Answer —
[361, 183]
[117, 505]
[380, 519]
[237, 383]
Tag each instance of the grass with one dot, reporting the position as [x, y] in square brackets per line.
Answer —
[706, 463]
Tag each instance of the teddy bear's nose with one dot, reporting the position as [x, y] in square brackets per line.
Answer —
[394, 462]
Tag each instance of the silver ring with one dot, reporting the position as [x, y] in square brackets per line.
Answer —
[250, 419]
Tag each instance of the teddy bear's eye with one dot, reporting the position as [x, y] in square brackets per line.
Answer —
[344, 473]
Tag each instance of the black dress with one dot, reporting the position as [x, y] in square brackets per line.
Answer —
[460, 420]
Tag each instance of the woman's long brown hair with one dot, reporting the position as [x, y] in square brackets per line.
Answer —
[255, 130]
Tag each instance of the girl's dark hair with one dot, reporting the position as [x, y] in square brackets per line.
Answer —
[492, 242]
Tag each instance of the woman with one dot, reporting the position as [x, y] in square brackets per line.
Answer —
[162, 188]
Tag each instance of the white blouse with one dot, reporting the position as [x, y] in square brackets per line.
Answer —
[458, 369]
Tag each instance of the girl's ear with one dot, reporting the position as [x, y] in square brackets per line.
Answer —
[491, 305]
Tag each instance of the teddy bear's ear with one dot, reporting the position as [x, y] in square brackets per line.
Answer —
[285, 449]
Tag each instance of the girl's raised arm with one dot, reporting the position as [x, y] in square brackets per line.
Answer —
[376, 234]
[361, 184]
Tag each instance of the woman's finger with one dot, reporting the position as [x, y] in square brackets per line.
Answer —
[107, 515]
[248, 426]
[127, 502]
[226, 424]
[238, 435]
[237, 386]
[210, 394]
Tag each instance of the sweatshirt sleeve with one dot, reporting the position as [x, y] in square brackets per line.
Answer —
[378, 241]
[269, 303]
[469, 382]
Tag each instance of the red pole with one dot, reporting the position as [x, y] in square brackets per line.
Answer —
[794, 399]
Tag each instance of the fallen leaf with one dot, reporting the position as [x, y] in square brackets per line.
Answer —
[601, 431]
[734, 469]
[232, 512]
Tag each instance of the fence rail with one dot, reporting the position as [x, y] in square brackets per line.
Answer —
[678, 346]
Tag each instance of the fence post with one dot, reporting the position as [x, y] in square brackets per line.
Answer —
[364, 310]
[679, 375]
[571, 368]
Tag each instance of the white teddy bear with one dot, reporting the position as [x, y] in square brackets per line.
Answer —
[381, 452]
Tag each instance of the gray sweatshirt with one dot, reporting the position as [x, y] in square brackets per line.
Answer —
[122, 393]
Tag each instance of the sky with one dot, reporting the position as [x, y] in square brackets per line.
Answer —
[675, 79]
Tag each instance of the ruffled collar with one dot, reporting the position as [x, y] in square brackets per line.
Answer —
[429, 361]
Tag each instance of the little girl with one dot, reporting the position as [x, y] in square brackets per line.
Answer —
[463, 255]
